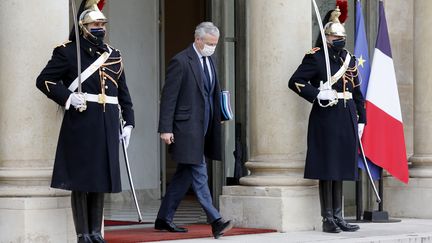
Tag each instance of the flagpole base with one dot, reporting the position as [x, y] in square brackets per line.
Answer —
[378, 217]
[375, 217]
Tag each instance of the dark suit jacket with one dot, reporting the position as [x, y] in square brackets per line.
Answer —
[183, 107]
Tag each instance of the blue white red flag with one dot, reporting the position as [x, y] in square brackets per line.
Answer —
[361, 51]
[383, 137]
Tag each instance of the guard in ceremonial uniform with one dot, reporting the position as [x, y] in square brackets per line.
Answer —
[87, 156]
[336, 119]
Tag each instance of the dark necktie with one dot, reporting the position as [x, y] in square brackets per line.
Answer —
[207, 74]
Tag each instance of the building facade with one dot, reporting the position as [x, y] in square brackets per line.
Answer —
[262, 43]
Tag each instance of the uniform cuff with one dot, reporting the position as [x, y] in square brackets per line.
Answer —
[68, 102]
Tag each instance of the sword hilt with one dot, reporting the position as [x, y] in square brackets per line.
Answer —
[83, 107]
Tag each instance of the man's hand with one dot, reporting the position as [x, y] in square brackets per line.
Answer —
[127, 131]
[77, 100]
[168, 138]
[327, 94]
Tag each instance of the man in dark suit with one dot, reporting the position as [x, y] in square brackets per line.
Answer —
[190, 124]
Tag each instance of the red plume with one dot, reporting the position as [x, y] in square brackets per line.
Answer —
[101, 4]
[343, 6]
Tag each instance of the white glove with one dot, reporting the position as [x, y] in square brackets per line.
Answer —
[327, 94]
[127, 131]
[77, 100]
[360, 129]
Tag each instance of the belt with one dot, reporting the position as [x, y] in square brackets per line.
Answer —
[346, 96]
[102, 99]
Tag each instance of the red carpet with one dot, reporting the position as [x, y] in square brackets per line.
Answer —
[108, 222]
[150, 234]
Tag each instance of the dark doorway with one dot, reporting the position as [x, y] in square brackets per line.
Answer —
[179, 19]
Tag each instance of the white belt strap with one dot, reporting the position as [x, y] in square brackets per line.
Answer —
[101, 99]
[341, 71]
[91, 69]
[345, 96]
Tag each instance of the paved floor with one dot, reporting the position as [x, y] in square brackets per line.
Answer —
[407, 231]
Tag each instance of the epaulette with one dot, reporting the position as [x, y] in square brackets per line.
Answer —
[115, 49]
[64, 43]
[313, 50]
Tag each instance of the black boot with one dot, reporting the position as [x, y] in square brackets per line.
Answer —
[337, 209]
[79, 212]
[325, 193]
[95, 204]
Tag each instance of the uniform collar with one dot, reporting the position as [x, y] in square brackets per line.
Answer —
[91, 48]
[336, 56]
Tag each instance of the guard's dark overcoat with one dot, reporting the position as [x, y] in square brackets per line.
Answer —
[332, 138]
[87, 156]
[183, 110]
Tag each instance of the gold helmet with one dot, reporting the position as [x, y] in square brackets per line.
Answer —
[334, 26]
[91, 13]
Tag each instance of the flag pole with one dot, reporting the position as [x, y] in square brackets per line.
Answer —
[359, 196]
[381, 192]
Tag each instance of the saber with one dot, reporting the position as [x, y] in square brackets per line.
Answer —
[326, 85]
[74, 13]
[324, 41]
[368, 172]
[129, 172]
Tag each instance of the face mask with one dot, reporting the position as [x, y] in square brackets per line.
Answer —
[99, 33]
[339, 44]
[208, 50]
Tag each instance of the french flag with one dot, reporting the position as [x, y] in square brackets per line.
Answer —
[383, 137]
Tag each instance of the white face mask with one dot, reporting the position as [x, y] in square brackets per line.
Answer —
[208, 50]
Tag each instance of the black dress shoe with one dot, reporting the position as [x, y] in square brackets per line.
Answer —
[344, 226]
[219, 227]
[171, 227]
[329, 226]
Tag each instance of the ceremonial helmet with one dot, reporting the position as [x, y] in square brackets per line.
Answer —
[89, 12]
[336, 19]
[92, 13]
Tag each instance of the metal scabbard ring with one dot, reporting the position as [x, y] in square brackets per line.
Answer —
[330, 102]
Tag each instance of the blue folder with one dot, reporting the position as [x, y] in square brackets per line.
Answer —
[227, 113]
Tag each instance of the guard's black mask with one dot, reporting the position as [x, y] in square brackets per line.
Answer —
[98, 34]
[339, 44]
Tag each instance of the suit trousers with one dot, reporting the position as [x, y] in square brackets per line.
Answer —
[185, 176]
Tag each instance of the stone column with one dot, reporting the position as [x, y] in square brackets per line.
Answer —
[29, 210]
[419, 190]
[275, 195]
